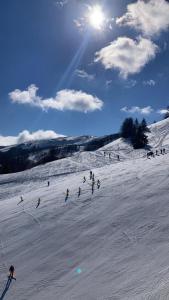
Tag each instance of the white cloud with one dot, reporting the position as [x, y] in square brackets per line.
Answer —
[84, 74]
[150, 82]
[150, 17]
[130, 83]
[127, 55]
[61, 3]
[26, 136]
[136, 109]
[162, 111]
[64, 100]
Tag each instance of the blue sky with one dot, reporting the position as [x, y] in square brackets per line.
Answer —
[80, 67]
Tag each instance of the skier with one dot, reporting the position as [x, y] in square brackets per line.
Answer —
[11, 272]
[67, 195]
[164, 151]
[90, 175]
[38, 203]
[93, 183]
[84, 179]
[118, 157]
[48, 183]
[79, 192]
[20, 200]
[109, 155]
[161, 151]
[93, 177]
[98, 184]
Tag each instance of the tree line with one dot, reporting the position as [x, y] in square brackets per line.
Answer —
[135, 132]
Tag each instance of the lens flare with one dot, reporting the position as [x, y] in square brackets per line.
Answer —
[96, 17]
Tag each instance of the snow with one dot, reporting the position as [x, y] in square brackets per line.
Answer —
[107, 246]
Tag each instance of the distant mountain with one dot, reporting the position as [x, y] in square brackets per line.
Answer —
[24, 156]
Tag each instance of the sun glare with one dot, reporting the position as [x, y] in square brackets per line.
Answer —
[96, 17]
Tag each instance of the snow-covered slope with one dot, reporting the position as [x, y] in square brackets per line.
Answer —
[112, 244]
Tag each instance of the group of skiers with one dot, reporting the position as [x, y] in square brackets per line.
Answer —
[109, 155]
[157, 152]
[37, 205]
[93, 184]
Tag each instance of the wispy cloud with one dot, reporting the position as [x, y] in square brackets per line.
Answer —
[136, 109]
[162, 111]
[150, 82]
[127, 55]
[130, 83]
[64, 100]
[150, 17]
[84, 74]
[61, 3]
[26, 136]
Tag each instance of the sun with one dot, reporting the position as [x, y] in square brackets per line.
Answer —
[96, 17]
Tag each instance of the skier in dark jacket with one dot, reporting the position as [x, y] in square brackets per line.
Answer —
[90, 175]
[67, 195]
[48, 183]
[20, 200]
[38, 203]
[98, 184]
[84, 179]
[11, 272]
[79, 192]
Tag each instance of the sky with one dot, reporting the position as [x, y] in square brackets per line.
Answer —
[76, 67]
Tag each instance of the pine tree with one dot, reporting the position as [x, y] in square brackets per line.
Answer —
[127, 128]
[135, 131]
[144, 126]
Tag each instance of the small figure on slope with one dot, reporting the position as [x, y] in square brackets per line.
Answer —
[38, 203]
[90, 175]
[93, 183]
[20, 200]
[84, 179]
[48, 183]
[79, 192]
[11, 272]
[67, 195]
[98, 184]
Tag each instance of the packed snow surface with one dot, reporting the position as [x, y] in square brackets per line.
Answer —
[109, 245]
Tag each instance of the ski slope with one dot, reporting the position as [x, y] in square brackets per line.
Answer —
[111, 245]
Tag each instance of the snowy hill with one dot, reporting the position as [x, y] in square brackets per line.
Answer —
[30, 154]
[109, 245]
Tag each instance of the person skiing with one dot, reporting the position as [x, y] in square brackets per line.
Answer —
[90, 175]
[109, 155]
[118, 157]
[11, 272]
[93, 177]
[38, 203]
[98, 184]
[79, 192]
[164, 151]
[161, 151]
[84, 179]
[67, 195]
[93, 183]
[20, 200]
[48, 183]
